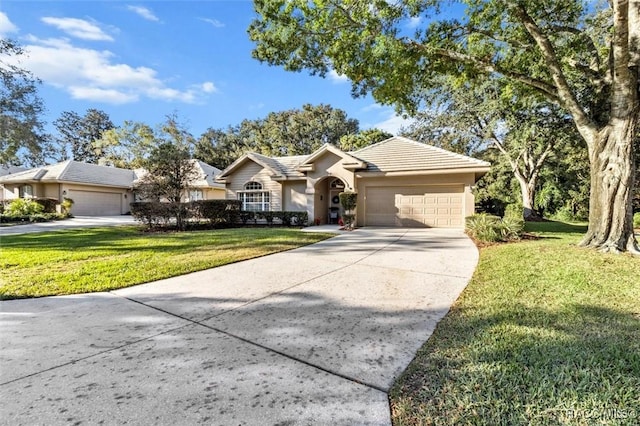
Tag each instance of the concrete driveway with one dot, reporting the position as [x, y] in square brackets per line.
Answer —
[74, 222]
[316, 335]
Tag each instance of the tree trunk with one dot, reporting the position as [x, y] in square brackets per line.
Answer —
[528, 191]
[612, 183]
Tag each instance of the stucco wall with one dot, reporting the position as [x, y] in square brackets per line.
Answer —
[293, 194]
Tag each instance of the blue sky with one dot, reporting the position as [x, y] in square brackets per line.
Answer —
[143, 60]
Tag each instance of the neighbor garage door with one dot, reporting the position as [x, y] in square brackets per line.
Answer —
[94, 203]
[415, 206]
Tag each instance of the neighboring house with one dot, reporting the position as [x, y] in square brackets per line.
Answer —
[95, 190]
[8, 170]
[400, 182]
[204, 187]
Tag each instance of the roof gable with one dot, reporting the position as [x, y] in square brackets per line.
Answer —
[348, 161]
[400, 154]
[278, 167]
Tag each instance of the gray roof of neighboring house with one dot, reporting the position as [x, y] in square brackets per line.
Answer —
[207, 176]
[92, 174]
[74, 171]
[401, 154]
[9, 170]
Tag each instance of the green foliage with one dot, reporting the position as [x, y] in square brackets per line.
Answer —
[66, 205]
[23, 207]
[48, 204]
[348, 200]
[362, 139]
[290, 132]
[246, 216]
[636, 220]
[127, 146]
[22, 137]
[488, 228]
[79, 136]
[511, 228]
[513, 211]
[216, 212]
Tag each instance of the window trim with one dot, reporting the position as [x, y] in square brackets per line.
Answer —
[23, 194]
[254, 197]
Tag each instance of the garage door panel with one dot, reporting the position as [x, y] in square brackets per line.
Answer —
[414, 206]
[95, 203]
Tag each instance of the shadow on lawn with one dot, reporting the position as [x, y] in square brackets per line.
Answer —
[525, 366]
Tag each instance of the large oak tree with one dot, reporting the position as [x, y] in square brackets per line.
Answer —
[587, 61]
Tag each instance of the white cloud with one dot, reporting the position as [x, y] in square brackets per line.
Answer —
[96, 94]
[337, 78]
[95, 74]
[208, 87]
[144, 13]
[213, 22]
[6, 26]
[79, 28]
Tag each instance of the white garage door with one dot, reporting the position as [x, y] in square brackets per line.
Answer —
[415, 206]
[94, 203]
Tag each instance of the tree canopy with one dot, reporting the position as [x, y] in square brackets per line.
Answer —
[22, 138]
[290, 132]
[78, 135]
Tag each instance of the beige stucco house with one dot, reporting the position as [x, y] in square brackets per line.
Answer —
[400, 182]
[96, 190]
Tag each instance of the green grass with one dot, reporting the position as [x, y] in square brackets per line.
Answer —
[546, 333]
[103, 259]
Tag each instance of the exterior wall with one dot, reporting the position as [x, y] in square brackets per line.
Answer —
[213, 194]
[293, 195]
[251, 171]
[466, 179]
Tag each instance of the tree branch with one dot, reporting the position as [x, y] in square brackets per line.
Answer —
[566, 97]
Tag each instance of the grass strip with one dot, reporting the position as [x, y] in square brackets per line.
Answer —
[102, 259]
[546, 333]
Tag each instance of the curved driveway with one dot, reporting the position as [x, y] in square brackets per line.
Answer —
[315, 335]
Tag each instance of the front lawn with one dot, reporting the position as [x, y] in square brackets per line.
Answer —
[546, 333]
[103, 259]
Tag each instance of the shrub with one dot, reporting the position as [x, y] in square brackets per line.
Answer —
[23, 207]
[66, 205]
[217, 211]
[268, 216]
[48, 204]
[483, 227]
[514, 210]
[636, 220]
[511, 228]
[348, 200]
[246, 216]
[152, 213]
[487, 228]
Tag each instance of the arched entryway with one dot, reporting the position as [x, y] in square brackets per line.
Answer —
[327, 203]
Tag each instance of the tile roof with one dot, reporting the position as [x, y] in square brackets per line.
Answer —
[206, 176]
[9, 170]
[93, 174]
[286, 166]
[401, 154]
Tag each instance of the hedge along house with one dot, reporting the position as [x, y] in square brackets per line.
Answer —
[95, 190]
[400, 182]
